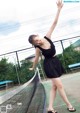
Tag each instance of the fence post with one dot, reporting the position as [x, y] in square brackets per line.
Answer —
[17, 60]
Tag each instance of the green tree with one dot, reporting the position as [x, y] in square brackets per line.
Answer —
[69, 56]
[3, 69]
[25, 73]
[7, 71]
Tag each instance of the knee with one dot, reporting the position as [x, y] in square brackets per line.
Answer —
[54, 87]
[60, 86]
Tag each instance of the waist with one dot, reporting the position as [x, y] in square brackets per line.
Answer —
[50, 57]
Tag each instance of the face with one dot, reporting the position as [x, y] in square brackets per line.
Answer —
[37, 41]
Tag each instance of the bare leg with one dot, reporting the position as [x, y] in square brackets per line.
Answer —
[60, 88]
[52, 96]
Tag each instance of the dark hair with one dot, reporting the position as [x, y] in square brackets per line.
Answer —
[31, 38]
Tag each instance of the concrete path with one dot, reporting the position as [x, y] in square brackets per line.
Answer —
[71, 84]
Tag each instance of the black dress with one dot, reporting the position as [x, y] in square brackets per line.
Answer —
[52, 65]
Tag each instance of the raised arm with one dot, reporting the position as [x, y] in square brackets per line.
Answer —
[59, 6]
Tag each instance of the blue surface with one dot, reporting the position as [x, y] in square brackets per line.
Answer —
[5, 82]
[74, 65]
[71, 1]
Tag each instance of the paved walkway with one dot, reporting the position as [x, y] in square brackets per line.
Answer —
[71, 84]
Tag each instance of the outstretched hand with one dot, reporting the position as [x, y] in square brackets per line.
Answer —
[59, 4]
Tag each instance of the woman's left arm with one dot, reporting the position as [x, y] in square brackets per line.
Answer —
[59, 5]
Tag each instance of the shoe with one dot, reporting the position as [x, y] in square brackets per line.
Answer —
[71, 109]
[52, 111]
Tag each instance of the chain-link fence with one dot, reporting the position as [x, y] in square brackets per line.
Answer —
[61, 45]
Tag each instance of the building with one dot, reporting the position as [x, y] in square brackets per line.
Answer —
[76, 45]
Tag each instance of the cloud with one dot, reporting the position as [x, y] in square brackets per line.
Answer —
[8, 27]
[33, 16]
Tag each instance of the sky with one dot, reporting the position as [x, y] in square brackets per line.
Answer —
[20, 18]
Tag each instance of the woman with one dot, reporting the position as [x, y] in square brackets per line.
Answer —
[52, 66]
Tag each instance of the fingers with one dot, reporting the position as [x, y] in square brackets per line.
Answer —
[59, 3]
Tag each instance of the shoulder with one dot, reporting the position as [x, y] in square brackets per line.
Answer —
[47, 38]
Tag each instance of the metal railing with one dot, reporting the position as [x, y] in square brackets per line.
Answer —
[17, 56]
